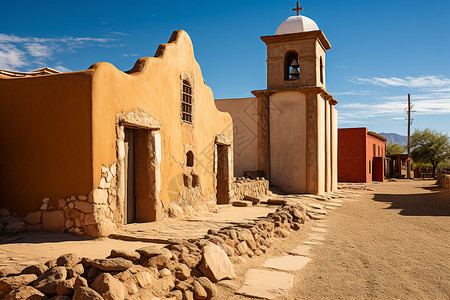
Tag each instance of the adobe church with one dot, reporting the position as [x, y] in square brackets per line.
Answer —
[288, 132]
[90, 151]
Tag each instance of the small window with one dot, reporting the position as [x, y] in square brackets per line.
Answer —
[186, 103]
[374, 150]
[370, 167]
[190, 159]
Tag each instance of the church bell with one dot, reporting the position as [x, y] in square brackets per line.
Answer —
[294, 74]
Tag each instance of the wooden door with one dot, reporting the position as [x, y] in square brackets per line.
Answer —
[130, 197]
[222, 175]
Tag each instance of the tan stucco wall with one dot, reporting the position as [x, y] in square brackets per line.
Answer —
[309, 53]
[244, 114]
[154, 86]
[321, 130]
[320, 53]
[45, 128]
[288, 141]
[328, 157]
[334, 148]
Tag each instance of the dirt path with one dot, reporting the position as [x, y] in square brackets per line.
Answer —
[394, 243]
[390, 243]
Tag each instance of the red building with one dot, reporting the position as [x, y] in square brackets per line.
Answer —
[360, 155]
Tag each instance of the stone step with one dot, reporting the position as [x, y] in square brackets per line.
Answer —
[242, 203]
[301, 250]
[287, 262]
[266, 284]
[255, 200]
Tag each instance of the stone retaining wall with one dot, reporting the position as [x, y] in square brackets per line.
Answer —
[181, 270]
[251, 187]
[443, 181]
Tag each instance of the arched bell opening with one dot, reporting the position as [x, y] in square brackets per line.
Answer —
[291, 66]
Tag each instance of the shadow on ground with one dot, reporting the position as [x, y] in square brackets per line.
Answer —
[433, 203]
[39, 237]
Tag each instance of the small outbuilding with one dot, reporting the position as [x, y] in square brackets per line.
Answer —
[361, 155]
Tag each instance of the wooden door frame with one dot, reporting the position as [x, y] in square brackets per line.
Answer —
[148, 194]
[222, 141]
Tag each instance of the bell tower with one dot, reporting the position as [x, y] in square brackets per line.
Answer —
[297, 120]
[296, 54]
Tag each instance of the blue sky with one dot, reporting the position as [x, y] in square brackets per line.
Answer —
[381, 50]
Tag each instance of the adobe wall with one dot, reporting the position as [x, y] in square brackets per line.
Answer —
[288, 129]
[352, 161]
[45, 126]
[244, 114]
[309, 54]
[334, 148]
[66, 141]
[258, 187]
[154, 86]
[380, 149]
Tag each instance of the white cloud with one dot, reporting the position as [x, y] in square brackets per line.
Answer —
[11, 38]
[38, 50]
[354, 93]
[17, 52]
[118, 33]
[129, 54]
[11, 58]
[393, 108]
[431, 106]
[62, 69]
[429, 81]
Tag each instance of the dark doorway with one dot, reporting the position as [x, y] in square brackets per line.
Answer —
[222, 175]
[142, 176]
[130, 189]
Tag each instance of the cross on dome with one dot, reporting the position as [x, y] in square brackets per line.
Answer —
[298, 9]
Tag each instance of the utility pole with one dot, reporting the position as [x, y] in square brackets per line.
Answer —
[408, 165]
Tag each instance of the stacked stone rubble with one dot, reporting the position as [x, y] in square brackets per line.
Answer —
[181, 270]
[443, 181]
[242, 186]
[95, 214]
[10, 222]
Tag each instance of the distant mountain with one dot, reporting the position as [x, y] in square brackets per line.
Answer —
[395, 138]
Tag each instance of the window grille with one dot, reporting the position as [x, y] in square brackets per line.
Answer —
[186, 103]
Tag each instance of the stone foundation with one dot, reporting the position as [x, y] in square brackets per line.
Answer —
[443, 181]
[95, 214]
[251, 187]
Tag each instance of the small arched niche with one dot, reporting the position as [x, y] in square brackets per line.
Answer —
[189, 159]
[291, 66]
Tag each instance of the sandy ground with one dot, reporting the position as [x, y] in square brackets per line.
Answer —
[29, 248]
[393, 243]
[39, 246]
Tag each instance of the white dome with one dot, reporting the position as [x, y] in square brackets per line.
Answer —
[296, 24]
